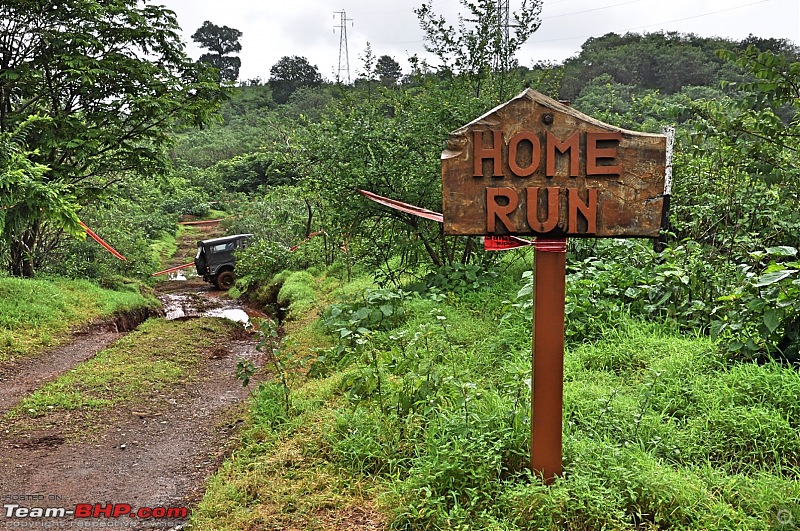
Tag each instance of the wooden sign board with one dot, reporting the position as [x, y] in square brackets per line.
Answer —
[534, 166]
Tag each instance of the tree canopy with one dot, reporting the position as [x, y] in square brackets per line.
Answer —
[221, 41]
[109, 81]
[666, 61]
[290, 74]
[484, 44]
[388, 70]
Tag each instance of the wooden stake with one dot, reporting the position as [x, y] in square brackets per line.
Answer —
[549, 292]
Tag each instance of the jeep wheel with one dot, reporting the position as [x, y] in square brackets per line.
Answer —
[225, 280]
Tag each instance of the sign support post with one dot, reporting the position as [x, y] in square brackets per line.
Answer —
[549, 294]
[536, 167]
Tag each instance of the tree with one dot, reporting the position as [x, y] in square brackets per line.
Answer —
[291, 73]
[603, 97]
[483, 46]
[388, 71]
[221, 41]
[391, 145]
[663, 61]
[368, 60]
[108, 80]
[367, 75]
[23, 191]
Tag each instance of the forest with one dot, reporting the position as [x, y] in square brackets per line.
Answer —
[402, 363]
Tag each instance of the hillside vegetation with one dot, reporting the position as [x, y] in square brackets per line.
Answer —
[408, 404]
[412, 411]
[401, 376]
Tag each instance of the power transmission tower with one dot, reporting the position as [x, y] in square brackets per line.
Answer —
[343, 20]
[502, 59]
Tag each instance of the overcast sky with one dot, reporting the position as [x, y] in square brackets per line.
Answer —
[310, 28]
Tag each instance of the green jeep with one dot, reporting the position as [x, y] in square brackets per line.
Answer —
[215, 261]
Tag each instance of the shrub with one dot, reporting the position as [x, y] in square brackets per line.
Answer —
[257, 264]
[761, 317]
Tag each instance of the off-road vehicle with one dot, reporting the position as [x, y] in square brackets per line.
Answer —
[215, 261]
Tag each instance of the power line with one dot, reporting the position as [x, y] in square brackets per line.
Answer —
[343, 51]
[593, 9]
[702, 15]
[659, 23]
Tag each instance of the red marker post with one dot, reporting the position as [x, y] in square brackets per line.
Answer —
[549, 294]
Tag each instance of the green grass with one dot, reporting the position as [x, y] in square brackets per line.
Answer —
[166, 246]
[280, 477]
[425, 419]
[298, 293]
[37, 313]
[157, 354]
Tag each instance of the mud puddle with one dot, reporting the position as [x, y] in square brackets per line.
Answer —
[190, 305]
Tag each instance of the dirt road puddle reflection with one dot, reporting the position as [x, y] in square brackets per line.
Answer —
[189, 305]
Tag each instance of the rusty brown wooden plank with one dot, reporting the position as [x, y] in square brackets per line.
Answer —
[605, 181]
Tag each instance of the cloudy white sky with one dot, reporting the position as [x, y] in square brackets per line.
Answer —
[276, 28]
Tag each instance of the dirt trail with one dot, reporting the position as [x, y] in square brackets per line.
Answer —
[19, 378]
[154, 453]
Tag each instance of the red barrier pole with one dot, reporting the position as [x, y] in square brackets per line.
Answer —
[171, 269]
[99, 240]
[203, 222]
[549, 292]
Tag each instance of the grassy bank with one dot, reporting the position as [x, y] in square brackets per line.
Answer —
[412, 412]
[40, 313]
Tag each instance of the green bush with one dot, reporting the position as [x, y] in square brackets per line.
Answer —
[257, 264]
[130, 223]
[460, 278]
[279, 216]
[761, 317]
[192, 201]
[374, 309]
[626, 277]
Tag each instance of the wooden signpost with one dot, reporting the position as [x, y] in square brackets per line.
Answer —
[534, 166]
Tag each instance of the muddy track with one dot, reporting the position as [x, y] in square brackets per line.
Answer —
[19, 378]
[156, 451]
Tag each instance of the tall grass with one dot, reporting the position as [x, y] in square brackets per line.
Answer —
[428, 398]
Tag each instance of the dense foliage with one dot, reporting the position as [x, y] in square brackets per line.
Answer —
[734, 196]
[674, 358]
[414, 409]
[109, 80]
